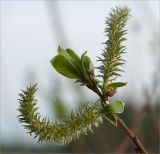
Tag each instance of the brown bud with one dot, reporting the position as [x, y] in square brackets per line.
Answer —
[111, 92]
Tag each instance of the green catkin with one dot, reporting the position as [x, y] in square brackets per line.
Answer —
[59, 132]
[112, 54]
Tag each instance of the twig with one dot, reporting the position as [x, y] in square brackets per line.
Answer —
[133, 137]
[139, 147]
[138, 118]
[135, 127]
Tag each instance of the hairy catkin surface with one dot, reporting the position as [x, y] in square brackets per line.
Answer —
[115, 31]
[59, 132]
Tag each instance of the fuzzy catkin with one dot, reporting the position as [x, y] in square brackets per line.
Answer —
[112, 54]
[59, 132]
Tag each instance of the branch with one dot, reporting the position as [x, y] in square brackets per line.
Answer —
[139, 147]
[135, 127]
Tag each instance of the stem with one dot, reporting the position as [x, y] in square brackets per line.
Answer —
[139, 147]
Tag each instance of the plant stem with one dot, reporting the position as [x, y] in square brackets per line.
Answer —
[139, 147]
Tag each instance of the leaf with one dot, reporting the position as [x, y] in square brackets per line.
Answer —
[117, 84]
[69, 54]
[80, 66]
[88, 64]
[116, 106]
[83, 65]
[75, 60]
[112, 118]
[87, 61]
[64, 67]
[61, 51]
[73, 56]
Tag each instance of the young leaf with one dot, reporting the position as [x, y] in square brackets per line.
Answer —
[73, 56]
[64, 67]
[112, 118]
[83, 65]
[88, 64]
[75, 60]
[116, 84]
[70, 56]
[87, 61]
[61, 51]
[116, 106]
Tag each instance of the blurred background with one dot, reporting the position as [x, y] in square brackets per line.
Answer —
[30, 33]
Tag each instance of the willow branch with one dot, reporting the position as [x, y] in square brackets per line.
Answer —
[139, 147]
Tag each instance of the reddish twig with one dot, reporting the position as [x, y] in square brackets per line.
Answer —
[139, 147]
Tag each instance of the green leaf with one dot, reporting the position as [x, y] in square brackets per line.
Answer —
[80, 66]
[112, 118]
[69, 54]
[83, 65]
[116, 84]
[87, 61]
[73, 56]
[75, 60]
[61, 51]
[64, 67]
[116, 106]
[88, 64]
